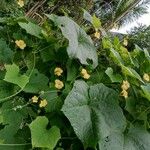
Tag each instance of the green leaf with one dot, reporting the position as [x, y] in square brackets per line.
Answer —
[96, 22]
[113, 142]
[113, 77]
[131, 72]
[31, 28]
[80, 44]
[41, 137]
[5, 89]
[146, 91]
[13, 76]
[106, 43]
[72, 70]
[116, 57]
[131, 106]
[136, 139]
[87, 16]
[93, 112]
[48, 54]
[54, 101]
[13, 119]
[22, 146]
[147, 55]
[6, 54]
[38, 82]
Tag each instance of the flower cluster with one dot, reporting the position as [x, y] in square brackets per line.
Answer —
[42, 103]
[125, 86]
[58, 83]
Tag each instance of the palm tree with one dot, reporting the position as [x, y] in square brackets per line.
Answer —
[119, 12]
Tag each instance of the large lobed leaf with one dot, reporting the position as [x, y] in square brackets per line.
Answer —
[80, 44]
[136, 139]
[13, 76]
[93, 111]
[41, 137]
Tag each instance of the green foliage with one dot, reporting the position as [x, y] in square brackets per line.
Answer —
[140, 36]
[41, 137]
[38, 82]
[136, 138]
[80, 44]
[13, 76]
[113, 77]
[115, 13]
[5, 89]
[31, 28]
[67, 89]
[96, 22]
[98, 106]
[6, 54]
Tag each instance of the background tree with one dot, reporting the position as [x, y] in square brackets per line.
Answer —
[119, 12]
[140, 36]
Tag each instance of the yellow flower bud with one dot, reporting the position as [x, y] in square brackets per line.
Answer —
[43, 103]
[58, 71]
[124, 93]
[84, 74]
[21, 3]
[146, 77]
[125, 85]
[83, 71]
[97, 34]
[20, 43]
[34, 99]
[59, 84]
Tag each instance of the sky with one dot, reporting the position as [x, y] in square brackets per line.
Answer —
[145, 20]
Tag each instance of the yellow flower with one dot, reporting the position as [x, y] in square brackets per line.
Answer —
[58, 71]
[43, 103]
[34, 99]
[59, 84]
[83, 71]
[125, 85]
[125, 42]
[84, 74]
[21, 3]
[146, 77]
[20, 43]
[97, 34]
[124, 93]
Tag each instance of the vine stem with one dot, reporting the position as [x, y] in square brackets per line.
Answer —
[15, 144]
[9, 97]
